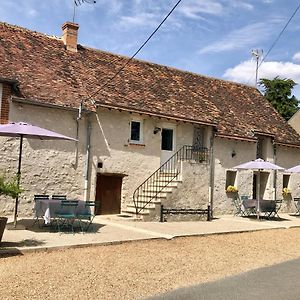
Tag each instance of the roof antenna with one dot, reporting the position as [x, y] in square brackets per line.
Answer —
[257, 54]
[78, 3]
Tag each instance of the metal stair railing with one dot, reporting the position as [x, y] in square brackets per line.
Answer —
[150, 189]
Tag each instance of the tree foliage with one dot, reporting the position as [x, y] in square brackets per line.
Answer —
[9, 188]
[279, 93]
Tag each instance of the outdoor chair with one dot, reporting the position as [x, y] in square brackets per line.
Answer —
[269, 208]
[86, 217]
[38, 212]
[278, 206]
[297, 206]
[243, 211]
[238, 206]
[66, 216]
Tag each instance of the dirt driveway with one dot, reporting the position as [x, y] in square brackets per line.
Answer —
[138, 269]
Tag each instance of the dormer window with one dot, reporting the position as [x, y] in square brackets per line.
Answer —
[136, 132]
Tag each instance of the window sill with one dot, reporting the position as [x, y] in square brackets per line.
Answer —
[135, 144]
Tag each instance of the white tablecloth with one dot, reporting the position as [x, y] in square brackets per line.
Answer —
[48, 209]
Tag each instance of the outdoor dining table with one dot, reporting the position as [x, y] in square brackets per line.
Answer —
[251, 205]
[49, 208]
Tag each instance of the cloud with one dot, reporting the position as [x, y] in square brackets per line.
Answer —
[112, 6]
[143, 19]
[193, 8]
[243, 5]
[245, 71]
[247, 36]
[296, 56]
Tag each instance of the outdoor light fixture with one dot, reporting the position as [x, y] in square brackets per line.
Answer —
[156, 130]
[233, 153]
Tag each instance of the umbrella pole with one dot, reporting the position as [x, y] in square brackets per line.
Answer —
[258, 194]
[18, 181]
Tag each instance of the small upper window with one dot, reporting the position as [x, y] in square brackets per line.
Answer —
[136, 134]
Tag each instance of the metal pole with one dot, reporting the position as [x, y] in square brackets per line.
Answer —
[256, 73]
[258, 193]
[18, 181]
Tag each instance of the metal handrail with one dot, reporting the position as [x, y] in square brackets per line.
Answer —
[165, 174]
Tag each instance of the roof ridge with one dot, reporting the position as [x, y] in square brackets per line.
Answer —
[24, 29]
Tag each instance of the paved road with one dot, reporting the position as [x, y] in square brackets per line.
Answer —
[279, 282]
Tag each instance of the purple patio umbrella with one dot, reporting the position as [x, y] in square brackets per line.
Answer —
[295, 169]
[259, 165]
[26, 130]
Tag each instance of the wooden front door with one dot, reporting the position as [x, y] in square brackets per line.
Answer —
[108, 194]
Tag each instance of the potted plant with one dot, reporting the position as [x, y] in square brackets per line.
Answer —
[231, 189]
[286, 193]
[8, 188]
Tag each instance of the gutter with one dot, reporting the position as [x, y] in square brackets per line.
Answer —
[49, 105]
[87, 159]
[149, 113]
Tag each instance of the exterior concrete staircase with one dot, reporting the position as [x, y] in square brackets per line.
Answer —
[153, 194]
[157, 187]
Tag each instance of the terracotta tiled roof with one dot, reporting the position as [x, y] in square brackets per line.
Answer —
[50, 74]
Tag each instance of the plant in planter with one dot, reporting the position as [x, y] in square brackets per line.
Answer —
[8, 188]
[286, 192]
[231, 189]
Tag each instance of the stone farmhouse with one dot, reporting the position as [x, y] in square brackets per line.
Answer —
[152, 135]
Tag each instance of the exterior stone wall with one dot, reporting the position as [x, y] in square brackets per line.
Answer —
[193, 191]
[59, 167]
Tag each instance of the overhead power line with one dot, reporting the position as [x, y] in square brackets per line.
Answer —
[133, 56]
[276, 40]
[280, 34]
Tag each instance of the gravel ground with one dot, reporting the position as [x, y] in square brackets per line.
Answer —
[139, 269]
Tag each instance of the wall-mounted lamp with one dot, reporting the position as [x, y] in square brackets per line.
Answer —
[156, 130]
[233, 153]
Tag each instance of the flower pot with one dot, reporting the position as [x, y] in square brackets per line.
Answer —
[3, 222]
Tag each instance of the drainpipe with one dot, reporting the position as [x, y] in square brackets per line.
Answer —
[87, 159]
[77, 134]
[275, 171]
[211, 174]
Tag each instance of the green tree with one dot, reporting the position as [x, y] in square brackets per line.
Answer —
[279, 93]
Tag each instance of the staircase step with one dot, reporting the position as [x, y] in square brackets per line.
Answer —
[142, 204]
[164, 184]
[162, 189]
[144, 211]
[151, 194]
[147, 199]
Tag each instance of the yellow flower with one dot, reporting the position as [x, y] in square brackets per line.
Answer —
[231, 189]
[285, 191]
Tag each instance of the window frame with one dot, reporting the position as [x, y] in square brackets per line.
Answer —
[141, 140]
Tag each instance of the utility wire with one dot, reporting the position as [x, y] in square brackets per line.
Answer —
[277, 39]
[139, 49]
[279, 35]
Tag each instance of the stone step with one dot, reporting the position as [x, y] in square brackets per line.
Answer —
[147, 199]
[164, 184]
[144, 211]
[150, 194]
[158, 189]
[142, 204]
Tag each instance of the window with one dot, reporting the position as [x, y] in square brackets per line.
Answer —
[136, 132]
[285, 181]
[230, 178]
[167, 139]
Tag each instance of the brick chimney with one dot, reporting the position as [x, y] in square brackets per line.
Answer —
[69, 37]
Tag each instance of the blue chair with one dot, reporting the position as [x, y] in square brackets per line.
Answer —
[66, 216]
[87, 216]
